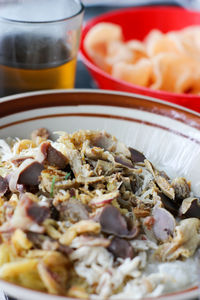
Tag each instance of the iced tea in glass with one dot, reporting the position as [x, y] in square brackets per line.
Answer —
[39, 41]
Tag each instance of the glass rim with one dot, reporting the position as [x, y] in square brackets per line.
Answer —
[81, 10]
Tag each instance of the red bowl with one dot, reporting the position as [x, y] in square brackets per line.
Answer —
[136, 23]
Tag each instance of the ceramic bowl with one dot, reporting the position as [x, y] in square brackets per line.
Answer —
[136, 23]
[167, 134]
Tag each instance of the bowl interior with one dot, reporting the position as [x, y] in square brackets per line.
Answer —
[137, 22]
[168, 135]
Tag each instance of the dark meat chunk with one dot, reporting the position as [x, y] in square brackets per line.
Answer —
[182, 188]
[112, 222]
[121, 248]
[123, 161]
[136, 156]
[169, 204]
[26, 174]
[54, 157]
[37, 213]
[28, 215]
[3, 185]
[190, 208]
[54, 213]
[30, 174]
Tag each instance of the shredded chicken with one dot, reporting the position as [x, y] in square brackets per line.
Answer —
[184, 243]
[87, 217]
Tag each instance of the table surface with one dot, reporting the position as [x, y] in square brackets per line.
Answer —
[83, 78]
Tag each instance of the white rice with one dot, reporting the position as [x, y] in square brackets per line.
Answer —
[96, 266]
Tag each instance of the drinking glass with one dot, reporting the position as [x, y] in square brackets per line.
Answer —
[39, 41]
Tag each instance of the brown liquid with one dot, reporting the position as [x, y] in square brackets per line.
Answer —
[46, 64]
[16, 80]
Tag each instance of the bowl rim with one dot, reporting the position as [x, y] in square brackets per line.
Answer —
[184, 294]
[6, 100]
[148, 98]
[95, 91]
[146, 91]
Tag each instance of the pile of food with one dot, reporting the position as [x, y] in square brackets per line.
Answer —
[168, 62]
[87, 217]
